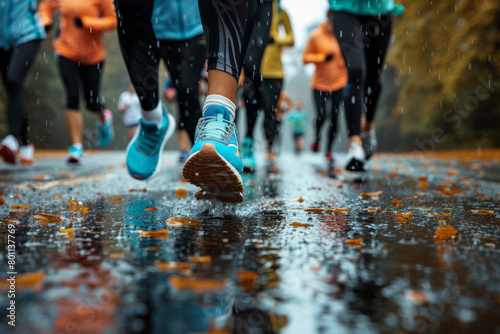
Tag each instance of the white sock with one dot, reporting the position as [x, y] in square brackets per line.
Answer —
[153, 116]
[78, 145]
[219, 100]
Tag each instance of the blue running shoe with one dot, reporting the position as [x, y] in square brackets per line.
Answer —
[75, 154]
[144, 152]
[183, 156]
[105, 131]
[214, 164]
[247, 155]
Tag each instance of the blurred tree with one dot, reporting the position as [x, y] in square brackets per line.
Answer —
[447, 54]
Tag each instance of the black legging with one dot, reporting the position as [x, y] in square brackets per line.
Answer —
[14, 66]
[227, 25]
[321, 99]
[262, 95]
[363, 41]
[185, 60]
[90, 76]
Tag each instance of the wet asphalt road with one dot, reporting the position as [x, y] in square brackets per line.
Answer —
[86, 263]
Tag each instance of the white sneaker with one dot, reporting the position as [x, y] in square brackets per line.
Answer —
[8, 149]
[27, 154]
[369, 142]
[75, 154]
[355, 160]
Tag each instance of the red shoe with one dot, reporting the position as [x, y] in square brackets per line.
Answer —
[314, 147]
[329, 158]
[8, 149]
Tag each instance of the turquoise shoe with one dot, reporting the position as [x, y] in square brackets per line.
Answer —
[105, 133]
[144, 152]
[75, 154]
[214, 164]
[247, 155]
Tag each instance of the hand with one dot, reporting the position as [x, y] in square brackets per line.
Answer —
[78, 22]
[329, 57]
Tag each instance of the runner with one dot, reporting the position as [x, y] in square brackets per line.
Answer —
[297, 119]
[363, 29]
[330, 76]
[130, 105]
[80, 55]
[20, 36]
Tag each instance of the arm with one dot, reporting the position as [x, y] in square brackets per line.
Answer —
[283, 19]
[46, 10]
[309, 55]
[104, 23]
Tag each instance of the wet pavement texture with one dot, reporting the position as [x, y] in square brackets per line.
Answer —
[302, 254]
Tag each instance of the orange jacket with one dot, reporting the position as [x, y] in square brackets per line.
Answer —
[329, 75]
[81, 44]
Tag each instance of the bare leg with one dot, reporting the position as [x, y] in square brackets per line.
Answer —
[183, 138]
[74, 123]
[131, 132]
[222, 83]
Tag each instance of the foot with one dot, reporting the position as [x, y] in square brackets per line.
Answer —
[369, 142]
[75, 154]
[8, 149]
[315, 147]
[355, 160]
[144, 152]
[183, 156]
[247, 155]
[27, 154]
[105, 131]
[214, 164]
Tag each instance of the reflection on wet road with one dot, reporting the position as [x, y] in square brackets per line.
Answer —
[413, 248]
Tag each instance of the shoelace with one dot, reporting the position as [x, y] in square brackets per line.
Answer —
[148, 141]
[214, 128]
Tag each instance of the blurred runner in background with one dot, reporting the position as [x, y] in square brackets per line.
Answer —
[21, 33]
[322, 49]
[363, 29]
[80, 54]
[130, 105]
[297, 120]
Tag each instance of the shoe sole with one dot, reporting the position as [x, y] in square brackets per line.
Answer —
[7, 155]
[170, 132]
[215, 176]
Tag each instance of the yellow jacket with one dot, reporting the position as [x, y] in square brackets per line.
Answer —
[271, 66]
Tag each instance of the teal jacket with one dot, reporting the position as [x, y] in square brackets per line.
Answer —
[19, 23]
[176, 20]
[367, 7]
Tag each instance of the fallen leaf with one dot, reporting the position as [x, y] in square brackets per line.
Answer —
[84, 208]
[357, 186]
[372, 209]
[68, 230]
[338, 186]
[169, 266]
[143, 190]
[177, 221]
[301, 200]
[490, 244]
[18, 196]
[26, 280]
[47, 218]
[483, 212]
[100, 218]
[416, 296]
[149, 208]
[422, 178]
[404, 217]
[72, 202]
[41, 177]
[247, 279]
[181, 193]
[116, 199]
[199, 285]
[395, 202]
[371, 195]
[337, 210]
[421, 208]
[423, 185]
[315, 210]
[470, 185]
[183, 180]
[20, 206]
[2, 201]
[200, 259]
[58, 196]
[155, 234]
[354, 242]
[295, 224]
[444, 215]
[446, 232]
[117, 256]
[451, 192]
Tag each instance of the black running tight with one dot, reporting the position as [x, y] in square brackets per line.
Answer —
[321, 99]
[72, 73]
[14, 67]
[363, 41]
[227, 25]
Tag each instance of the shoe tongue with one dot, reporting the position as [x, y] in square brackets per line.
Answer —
[149, 126]
[217, 111]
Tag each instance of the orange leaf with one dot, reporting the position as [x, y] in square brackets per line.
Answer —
[446, 232]
[20, 206]
[84, 208]
[295, 224]
[27, 280]
[68, 230]
[58, 196]
[183, 180]
[46, 218]
[2, 201]
[301, 200]
[423, 185]
[143, 190]
[177, 221]
[451, 192]
[247, 279]
[354, 242]
[100, 218]
[199, 285]
[181, 193]
[422, 178]
[395, 202]
[72, 202]
[337, 210]
[155, 234]
[200, 259]
[372, 209]
[416, 296]
[18, 196]
[445, 215]
[172, 265]
[404, 217]
[315, 210]
[116, 199]
[149, 208]
[371, 195]
[483, 212]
